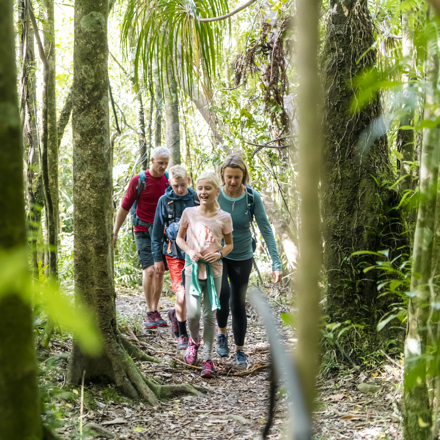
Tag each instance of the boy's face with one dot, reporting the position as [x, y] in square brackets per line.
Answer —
[180, 186]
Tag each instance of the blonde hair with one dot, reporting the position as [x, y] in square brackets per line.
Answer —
[212, 177]
[177, 172]
[235, 160]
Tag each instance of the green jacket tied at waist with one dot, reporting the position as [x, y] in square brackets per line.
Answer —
[195, 288]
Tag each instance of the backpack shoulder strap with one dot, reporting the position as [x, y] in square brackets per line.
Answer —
[171, 211]
[250, 200]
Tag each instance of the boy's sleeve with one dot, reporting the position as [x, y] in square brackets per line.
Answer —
[130, 195]
[266, 231]
[157, 235]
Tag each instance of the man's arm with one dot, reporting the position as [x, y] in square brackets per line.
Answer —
[120, 218]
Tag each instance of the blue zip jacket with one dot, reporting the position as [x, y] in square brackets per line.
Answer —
[159, 242]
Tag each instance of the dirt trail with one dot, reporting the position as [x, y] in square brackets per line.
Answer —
[236, 406]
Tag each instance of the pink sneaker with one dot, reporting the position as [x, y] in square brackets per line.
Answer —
[150, 321]
[159, 321]
[208, 370]
[190, 355]
[182, 343]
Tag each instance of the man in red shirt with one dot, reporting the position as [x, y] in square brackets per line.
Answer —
[156, 184]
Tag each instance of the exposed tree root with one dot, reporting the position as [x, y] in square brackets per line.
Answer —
[137, 353]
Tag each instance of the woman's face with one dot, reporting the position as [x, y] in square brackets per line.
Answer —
[206, 192]
[233, 178]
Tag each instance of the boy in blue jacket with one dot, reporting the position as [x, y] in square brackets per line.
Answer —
[177, 197]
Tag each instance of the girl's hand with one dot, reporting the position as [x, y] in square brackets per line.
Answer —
[211, 257]
[276, 275]
[195, 256]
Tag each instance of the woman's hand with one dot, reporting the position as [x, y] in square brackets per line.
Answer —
[195, 256]
[211, 257]
[276, 275]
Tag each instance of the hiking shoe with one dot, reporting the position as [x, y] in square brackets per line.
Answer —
[174, 324]
[150, 321]
[240, 359]
[182, 342]
[208, 370]
[222, 345]
[159, 321]
[190, 355]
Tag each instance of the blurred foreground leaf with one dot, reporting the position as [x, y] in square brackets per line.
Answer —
[71, 315]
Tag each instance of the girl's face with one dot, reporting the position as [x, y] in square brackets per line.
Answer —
[233, 178]
[206, 192]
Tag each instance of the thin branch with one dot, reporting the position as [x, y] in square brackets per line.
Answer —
[224, 17]
[37, 36]
[121, 67]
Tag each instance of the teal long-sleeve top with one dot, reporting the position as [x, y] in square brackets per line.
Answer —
[242, 234]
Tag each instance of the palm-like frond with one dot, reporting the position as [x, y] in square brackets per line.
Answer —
[169, 32]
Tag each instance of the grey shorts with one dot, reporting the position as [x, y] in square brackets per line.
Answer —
[143, 246]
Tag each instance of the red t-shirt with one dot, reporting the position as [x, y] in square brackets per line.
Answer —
[146, 207]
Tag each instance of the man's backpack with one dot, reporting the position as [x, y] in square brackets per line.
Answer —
[142, 184]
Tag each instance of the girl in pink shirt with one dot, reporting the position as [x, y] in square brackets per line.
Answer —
[202, 229]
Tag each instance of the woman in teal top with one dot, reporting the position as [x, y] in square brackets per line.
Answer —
[237, 266]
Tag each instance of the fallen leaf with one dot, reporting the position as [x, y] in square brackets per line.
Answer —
[115, 421]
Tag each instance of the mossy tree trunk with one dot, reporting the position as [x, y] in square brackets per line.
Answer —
[49, 143]
[355, 167]
[417, 414]
[172, 116]
[92, 195]
[50, 119]
[34, 187]
[19, 401]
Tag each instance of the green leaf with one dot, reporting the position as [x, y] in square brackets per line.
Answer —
[385, 321]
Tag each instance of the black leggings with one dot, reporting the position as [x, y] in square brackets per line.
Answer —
[235, 281]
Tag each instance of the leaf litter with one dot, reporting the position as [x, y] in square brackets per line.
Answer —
[236, 404]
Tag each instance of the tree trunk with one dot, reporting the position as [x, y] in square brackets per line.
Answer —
[48, 138]
[19, 401]
[35, 195]
[417, 415]
[50, 126]
[355, 207]
[309, 131]
[158, 118]
[92, 195]
[172, 117]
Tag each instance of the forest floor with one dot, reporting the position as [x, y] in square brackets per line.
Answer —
[236, 404]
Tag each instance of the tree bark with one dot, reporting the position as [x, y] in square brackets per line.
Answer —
[172, 116]
[355, 166]
[92, 195]
[418, 415]
[19, 401]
